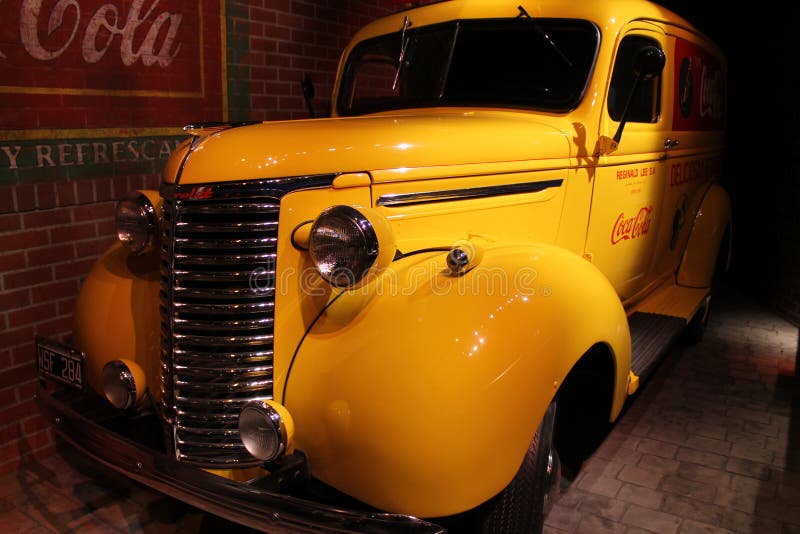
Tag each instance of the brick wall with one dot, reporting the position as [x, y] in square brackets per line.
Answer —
[55, 220]
[50, 234]
[275, 43]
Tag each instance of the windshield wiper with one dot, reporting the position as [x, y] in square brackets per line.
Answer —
[403, 46]
[543, 34]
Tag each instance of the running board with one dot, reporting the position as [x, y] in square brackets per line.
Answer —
[652, 335]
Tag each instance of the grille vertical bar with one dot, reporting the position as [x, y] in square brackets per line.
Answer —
[217, 325]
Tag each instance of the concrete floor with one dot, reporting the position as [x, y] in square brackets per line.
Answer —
[711, 444]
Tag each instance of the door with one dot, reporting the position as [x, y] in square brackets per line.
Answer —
[629, 182]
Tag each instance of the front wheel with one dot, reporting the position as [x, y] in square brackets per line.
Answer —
[521, 507]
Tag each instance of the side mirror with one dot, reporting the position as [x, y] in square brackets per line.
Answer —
[647, 64]
[307, 84]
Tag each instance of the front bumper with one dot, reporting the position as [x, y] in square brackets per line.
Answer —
[249, 504]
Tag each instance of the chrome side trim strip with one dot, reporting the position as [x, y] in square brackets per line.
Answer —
[247, 504]
[408, 199]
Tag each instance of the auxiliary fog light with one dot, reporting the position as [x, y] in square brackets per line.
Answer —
[266, 429]
[123, 383]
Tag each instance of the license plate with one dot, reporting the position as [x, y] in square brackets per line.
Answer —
[60, 362]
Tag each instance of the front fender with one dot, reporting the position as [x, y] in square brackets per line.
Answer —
[421, 392]
[116, 314]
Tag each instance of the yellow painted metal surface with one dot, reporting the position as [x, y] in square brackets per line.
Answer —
[402, 389]
[400, 141]
[710, 223]
[421, 374]
[674, 300]
[116, 315]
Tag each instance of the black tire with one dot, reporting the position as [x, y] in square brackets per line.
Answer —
[521, 507]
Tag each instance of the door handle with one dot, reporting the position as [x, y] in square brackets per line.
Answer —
[670, 143]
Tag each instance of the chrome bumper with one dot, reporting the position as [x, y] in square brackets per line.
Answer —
[243, 503]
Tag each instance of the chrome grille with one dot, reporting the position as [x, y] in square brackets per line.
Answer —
[217, 330]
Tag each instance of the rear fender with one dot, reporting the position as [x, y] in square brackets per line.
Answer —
[710, 222]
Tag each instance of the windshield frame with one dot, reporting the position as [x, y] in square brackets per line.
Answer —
[456, 27]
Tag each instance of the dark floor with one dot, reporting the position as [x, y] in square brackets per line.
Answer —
[711, 444]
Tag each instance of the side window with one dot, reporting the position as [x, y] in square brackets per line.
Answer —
[646, 104]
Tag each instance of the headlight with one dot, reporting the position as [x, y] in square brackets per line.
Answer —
[137, 222]
[345, 244]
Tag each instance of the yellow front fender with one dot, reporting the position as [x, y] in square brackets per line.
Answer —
[421, 391]
[116, 315]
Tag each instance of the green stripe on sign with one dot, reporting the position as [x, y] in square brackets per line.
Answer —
[238, 49]
[48, 159]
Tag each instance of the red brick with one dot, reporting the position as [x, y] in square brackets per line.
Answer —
[84, 191]
[34, 424]
[152, 181]
[51, 254]
[9, 223]
[107, 228]
[15, 299]
[34, 442]
[65, 193]
[5, 361]
[30, 277]
[73, 232]
[23, 240]
[51, 217]
[19, 337]
[102, 190]
[9, 458]
[31, 314]
[13, 376]
[55, 327]
[26, 197]
[6, 199]
[11, 465]
[46, 196]
[66, 307]
[7, 397]
[10, 432]
[45, 452]
[26, 390]
[12, 262]
[22, 354]
[74, 269]
[93, 249]
[119, 187]
[91, 212]
[55, 291]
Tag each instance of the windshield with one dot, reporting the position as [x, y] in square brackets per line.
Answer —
[531, 63]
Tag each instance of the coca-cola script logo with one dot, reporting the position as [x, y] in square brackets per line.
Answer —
[626, 228]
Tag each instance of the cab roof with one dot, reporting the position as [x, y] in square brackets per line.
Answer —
[610, 16]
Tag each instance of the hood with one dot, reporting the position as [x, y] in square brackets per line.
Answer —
[374, 143]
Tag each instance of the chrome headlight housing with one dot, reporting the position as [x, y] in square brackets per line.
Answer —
[346, 244]
[138, 222]
[266, 429]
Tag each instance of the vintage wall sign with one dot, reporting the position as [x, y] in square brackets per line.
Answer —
[76, 158]
[111, 63]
